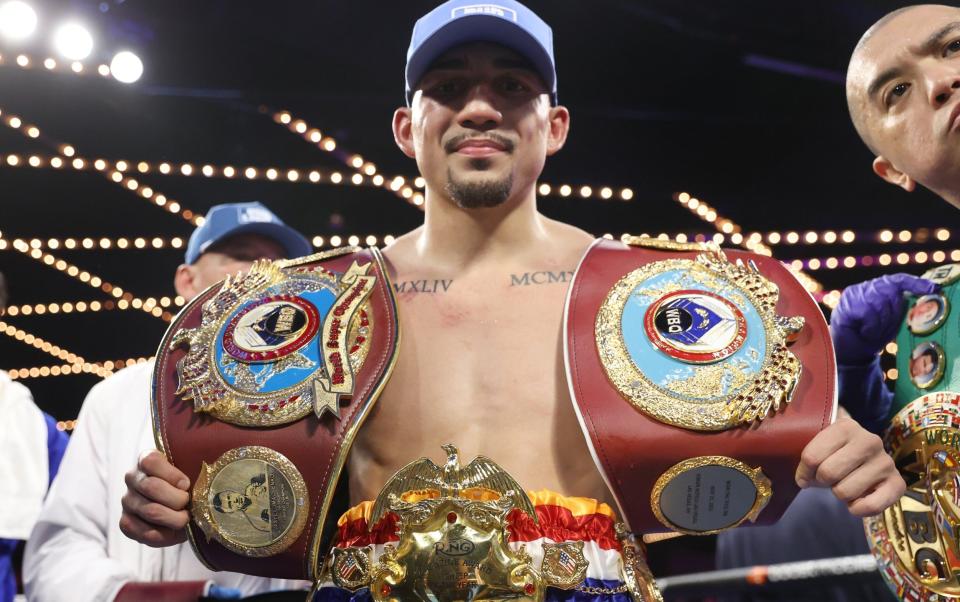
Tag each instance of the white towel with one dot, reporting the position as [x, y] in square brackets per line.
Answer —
[24, 462]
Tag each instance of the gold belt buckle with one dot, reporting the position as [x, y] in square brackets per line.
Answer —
[453, 544]
[451, 547]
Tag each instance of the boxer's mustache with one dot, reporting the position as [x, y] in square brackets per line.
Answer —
[451, 145]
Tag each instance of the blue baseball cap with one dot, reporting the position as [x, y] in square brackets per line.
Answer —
[230, 219]
[504, 22]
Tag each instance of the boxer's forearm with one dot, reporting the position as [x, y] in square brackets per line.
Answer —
[864, 395]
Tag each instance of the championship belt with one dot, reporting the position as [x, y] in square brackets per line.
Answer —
[452, 533]
[928, 344]
[916, 540]
[259, 388]
[698, 379]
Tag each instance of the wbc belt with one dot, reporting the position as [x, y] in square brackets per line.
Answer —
[917, 540]
[698, 376]
[928, 344]
[259, 388]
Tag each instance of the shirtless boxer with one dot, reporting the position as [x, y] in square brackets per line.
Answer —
[481, 362]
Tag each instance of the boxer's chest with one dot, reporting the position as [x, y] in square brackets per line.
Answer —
[480, 365]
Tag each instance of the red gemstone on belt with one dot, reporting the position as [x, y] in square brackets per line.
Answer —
[452, 517]
[529, 589]
[385, 589]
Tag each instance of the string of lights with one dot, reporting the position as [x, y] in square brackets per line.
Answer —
[89, 279]
[102, 243]
[832, 237]
[55, 350]
[159, 242]
[398, 184]
[828, 237]
[605, 193]
[882, 260]
[207, 170]
[106, 367]
[69, 307]
[68, 158]
[26, 61]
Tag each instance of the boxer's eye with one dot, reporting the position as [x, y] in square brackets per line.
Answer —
[512, 86]
[952, 48]
[896, 92]
[447, 88]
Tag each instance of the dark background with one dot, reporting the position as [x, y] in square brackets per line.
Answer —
[739, 102]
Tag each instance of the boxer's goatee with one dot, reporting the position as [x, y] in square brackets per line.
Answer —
[477, 195]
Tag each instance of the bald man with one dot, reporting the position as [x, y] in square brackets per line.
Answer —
[903, 92]
[902, 86]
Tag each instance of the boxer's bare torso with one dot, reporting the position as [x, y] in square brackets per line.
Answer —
[481, 366]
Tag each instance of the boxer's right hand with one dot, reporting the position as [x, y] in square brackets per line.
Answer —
[869, 315]
[154, 507]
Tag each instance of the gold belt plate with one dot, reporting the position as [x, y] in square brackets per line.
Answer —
[916, 540]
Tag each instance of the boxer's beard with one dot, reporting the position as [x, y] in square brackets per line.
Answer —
[477, 195]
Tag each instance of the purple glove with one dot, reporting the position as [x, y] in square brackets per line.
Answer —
[869, 315]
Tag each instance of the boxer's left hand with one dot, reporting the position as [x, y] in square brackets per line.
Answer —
[852, 462]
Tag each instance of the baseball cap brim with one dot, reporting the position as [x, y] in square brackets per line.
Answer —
[480, 28]
[293, 243]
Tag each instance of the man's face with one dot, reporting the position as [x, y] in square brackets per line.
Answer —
[924, 312]
[229, 256]
[231, 501]
[921, 366]
[481, 125]
[904, 88]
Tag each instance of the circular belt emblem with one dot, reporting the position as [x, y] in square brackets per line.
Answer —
[695, 326]
[944, 274]
[271, 328]
[252, 500]
[276, 344]
[915, 540]
[927, 364]
[697, 343]
[709, 494]
[928, 314]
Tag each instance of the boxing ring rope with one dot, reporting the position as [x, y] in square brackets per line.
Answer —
[793, 575]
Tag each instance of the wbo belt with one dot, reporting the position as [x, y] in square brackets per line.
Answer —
[259, 388]
[698, 376]
[450, 543]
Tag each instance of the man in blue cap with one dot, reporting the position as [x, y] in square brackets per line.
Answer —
[76, 551]
[481, 363]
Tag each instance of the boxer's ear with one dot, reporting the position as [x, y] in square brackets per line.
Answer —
[559, 121]
[403, 131]
[889, 172]
[185, 281]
